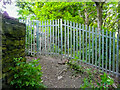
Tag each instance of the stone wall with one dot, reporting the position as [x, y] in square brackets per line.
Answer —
[0, 51]
[13, 45]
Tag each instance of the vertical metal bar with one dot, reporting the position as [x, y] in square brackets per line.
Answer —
[61, 39]
[58, 36]
[86, 43]
[110, 54]
[65, 36]
[89, 44]
[80, 40]
[31, 36]
[37, 33]
[102, 49]
[73, 40]
[92, 45]
[28, 36]
[42, 38]
[40, 35]
[26, 41]
[68, 36]
[71, 37]
[55, 36]
[106, 50]
[77, 38]
[45, 37]
[117, 59]
[99, 48]
[50, 37]
[113, 51]
[96, 47]
[83, 41]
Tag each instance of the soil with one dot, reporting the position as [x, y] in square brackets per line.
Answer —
[57, 74]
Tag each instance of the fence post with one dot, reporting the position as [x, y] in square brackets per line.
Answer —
[110, 54]
[53, 37]
[117, 61]
[37, 33]
[40, 37]
[26, 38]
[31, 36]
[73, 39]
[45, 38]
[65, 37]
[80, 41]
[83, 42]
[58, 36]
[113, 51]
[89, 44]
[102, 50]
[106, 50]
[99, 48]
[50, 37]
[86, 42]
[68, 36]
[61, 38]
[96, 61]
[92, 45]
[77, 38]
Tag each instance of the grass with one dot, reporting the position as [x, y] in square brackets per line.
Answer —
[92, 78]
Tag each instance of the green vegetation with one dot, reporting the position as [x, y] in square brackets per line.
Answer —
[106, 81]
[102, 15]
[26, 75]
[80, 12]
[90, 81]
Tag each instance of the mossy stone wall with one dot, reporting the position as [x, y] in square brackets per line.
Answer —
[13, 45]
[0, 51]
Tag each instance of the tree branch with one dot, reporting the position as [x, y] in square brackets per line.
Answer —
[103, 3]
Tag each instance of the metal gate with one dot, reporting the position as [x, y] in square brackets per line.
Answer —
[72, 40]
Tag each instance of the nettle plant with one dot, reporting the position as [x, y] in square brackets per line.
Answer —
[26, 75]
[106, 81]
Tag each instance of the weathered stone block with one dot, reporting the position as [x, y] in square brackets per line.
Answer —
[13, 45]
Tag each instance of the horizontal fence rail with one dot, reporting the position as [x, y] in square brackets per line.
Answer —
[74, 41]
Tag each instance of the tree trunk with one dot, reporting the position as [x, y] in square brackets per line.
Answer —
[99, 15]
[119, 34]
[86, 17]
[119, 18]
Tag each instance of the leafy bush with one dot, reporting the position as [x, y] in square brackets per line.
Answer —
[87, 83]
[106, 81]
[26, 75]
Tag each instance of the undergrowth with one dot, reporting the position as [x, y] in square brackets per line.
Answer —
[26, 75]
[90, 81]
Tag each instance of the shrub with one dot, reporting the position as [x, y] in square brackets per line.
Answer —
[26, 75]
[106, 81]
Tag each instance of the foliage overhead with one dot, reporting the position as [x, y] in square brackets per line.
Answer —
[80, 12]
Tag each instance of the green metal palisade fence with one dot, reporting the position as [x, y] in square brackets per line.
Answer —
[72, 40]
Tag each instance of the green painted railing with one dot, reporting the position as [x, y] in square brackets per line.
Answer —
[72, 40]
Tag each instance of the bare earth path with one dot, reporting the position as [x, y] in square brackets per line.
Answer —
[57, 75]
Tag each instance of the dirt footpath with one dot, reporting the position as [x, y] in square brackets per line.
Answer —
[57, 75]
